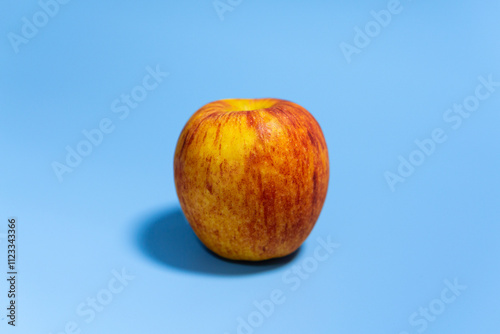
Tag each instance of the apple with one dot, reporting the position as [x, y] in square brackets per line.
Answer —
[251, 176]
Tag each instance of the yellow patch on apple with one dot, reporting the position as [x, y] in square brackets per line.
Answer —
[251, 176]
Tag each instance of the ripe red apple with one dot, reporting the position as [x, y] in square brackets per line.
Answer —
[251, 176]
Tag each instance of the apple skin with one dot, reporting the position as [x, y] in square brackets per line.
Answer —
[251, 176]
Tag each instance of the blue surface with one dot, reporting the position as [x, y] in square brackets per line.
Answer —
[397, 249]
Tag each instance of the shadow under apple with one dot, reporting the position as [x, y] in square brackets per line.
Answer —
[167, 238]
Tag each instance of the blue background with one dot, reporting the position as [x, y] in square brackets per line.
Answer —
[118, 208]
